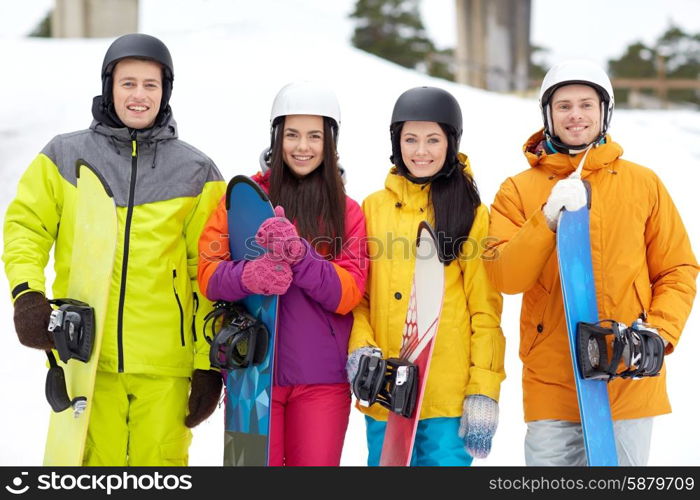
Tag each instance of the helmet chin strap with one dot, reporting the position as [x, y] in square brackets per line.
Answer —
[570, 149]
[567, 148]
[444, 172]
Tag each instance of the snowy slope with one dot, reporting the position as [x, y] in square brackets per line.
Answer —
[230, 60]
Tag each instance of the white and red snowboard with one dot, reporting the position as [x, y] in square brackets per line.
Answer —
[420, 329]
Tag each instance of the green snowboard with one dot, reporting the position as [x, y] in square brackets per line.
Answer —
[92, 261]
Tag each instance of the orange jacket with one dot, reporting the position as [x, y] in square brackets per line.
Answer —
[642, 263]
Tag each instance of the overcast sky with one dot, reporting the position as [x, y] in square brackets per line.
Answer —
[595, 29]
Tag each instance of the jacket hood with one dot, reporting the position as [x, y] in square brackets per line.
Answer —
[103, 111]
[601, 156]
[262, 179]
[156, 133]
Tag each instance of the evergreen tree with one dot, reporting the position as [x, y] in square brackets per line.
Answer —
[682, 58]
[681, 55]
[393, 30]
[441, 64]
[638, 61]
[537, 68]
[43, 29]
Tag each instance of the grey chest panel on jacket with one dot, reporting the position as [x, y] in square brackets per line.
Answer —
[166, 168]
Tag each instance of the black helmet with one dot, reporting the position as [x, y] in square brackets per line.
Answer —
[428, 104]
[142, 46]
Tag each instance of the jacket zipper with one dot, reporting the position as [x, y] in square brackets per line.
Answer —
[643, 313]
[195, 299]
[342, 356]
[125, 260]
[182, 313]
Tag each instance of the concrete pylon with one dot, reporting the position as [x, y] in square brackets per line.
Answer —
[94, 18]
[493, 43]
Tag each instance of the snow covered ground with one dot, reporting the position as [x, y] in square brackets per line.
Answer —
[227, 73]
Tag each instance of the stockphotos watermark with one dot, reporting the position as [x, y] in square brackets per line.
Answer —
[99, 482]
[18, 486]
[388, 247]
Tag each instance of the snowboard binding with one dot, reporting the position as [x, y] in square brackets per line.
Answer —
[72, 327]
[239, 339]
[616, 350]
[393, 383]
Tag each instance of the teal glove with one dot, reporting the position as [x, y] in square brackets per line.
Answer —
[478, 424]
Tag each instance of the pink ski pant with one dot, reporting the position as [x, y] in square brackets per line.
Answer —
[309, 424]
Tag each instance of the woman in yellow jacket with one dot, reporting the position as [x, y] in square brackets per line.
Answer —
[642, 262]
[432, 181]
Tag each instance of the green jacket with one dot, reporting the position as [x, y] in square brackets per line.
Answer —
[164, 190]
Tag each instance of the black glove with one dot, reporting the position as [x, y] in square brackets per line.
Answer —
[32, 313]
[204, 395]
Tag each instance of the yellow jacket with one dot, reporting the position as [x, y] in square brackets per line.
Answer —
[470, 347]
[642, 264]
[164, 190]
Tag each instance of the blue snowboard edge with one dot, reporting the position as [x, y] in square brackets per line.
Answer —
[579, 296]
[249, 390]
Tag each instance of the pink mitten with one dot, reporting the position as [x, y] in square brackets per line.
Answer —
[267, 275]
[280, 236]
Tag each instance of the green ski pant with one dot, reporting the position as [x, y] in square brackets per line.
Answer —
[138, 420]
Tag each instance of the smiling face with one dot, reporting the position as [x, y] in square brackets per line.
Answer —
[423, 148]
[302, 143]
[137, 92]
[576, 114]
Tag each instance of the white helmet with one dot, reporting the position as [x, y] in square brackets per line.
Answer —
[302, 98]
[583, 72]
[305, 98]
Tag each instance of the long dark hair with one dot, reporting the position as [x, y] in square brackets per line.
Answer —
[316, 202]
[453, 194]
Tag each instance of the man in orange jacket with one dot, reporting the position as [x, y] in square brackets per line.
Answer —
[643, 265]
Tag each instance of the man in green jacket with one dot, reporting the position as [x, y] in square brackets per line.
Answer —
[152, 349]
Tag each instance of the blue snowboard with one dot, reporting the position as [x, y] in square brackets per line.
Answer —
[578, 290]
[249, 390]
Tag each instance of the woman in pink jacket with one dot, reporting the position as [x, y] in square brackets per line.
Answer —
[320, 277]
